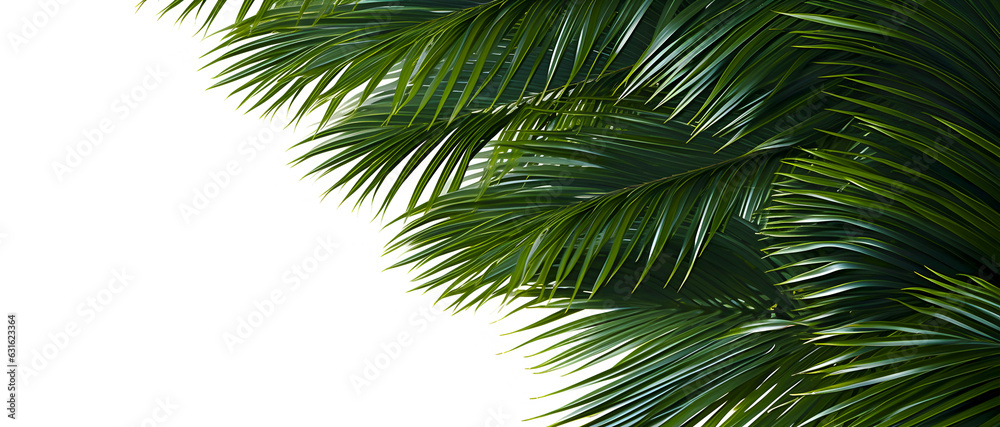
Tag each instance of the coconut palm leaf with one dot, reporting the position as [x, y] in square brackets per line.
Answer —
[935, 366]
[731, 213]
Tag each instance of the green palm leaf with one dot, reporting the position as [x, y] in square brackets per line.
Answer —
[754, 212]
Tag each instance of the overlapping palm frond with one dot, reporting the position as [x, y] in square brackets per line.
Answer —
[935, 365]
[767, 213]
[684, 356]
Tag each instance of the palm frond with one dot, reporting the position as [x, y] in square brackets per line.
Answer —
[934, 366]
[757, 212]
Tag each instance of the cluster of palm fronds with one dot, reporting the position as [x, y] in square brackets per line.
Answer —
[765, 212]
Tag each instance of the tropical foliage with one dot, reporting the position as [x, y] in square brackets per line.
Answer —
[760, 212]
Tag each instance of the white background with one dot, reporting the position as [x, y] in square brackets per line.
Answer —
[159, 341]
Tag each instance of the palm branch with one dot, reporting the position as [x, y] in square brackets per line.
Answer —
[767, 212]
